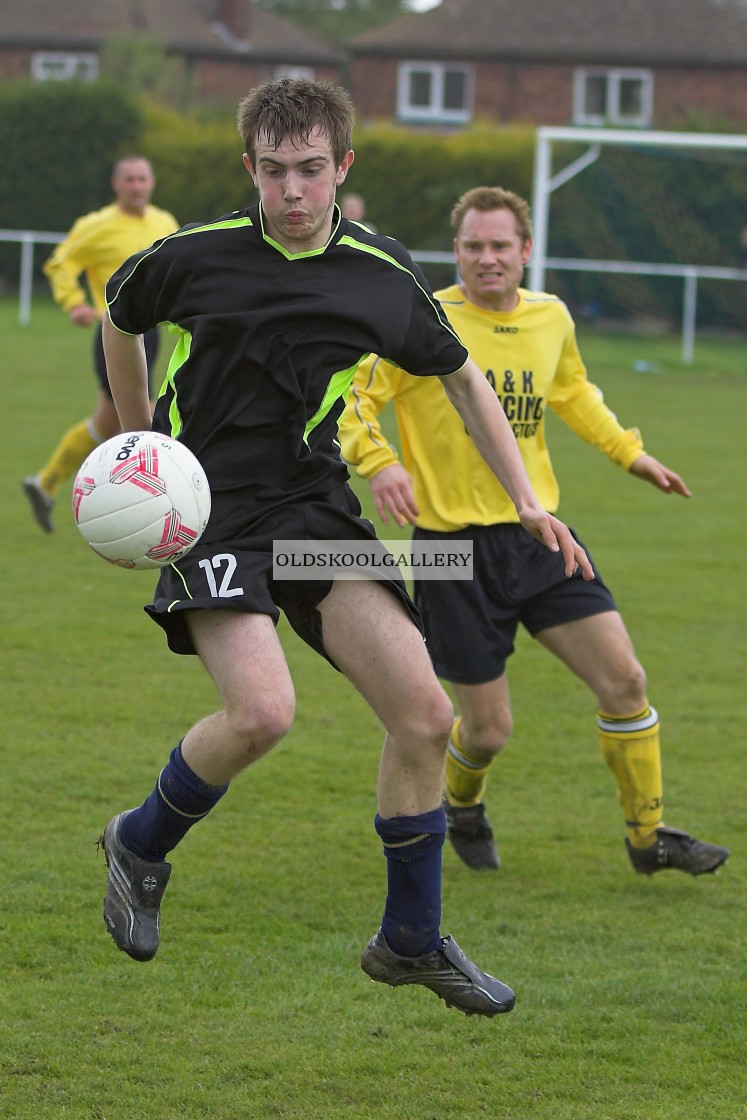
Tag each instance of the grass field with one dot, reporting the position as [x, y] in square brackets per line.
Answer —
[632, 992]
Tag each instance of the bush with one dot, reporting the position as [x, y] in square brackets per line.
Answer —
[59, 141]
[198, 165]
[62, 138]
[411, 180]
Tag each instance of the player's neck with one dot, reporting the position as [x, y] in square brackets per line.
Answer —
[497, 301]
[132, 211]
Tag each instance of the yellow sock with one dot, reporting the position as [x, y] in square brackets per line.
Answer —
[630, 745]
[465, 778]
[67, 456]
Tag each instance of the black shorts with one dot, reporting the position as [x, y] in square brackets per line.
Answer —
[230, 568]
[471, 625]
[152, 341]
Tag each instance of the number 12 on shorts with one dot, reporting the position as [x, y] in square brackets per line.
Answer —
[224, 564]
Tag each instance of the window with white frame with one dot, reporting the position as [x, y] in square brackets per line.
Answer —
[611, 96]
[434, 91]
[60, 66]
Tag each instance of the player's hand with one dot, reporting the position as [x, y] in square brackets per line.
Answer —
[392, 493]
[83, 315]
[651, 470]
[557, 537]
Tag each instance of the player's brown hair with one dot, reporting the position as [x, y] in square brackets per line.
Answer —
[131, 157]
[485, 199]
[293, 108]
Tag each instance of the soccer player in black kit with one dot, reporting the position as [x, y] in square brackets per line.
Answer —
[275, 306]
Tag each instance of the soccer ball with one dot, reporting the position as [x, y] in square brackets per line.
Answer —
[141, 500]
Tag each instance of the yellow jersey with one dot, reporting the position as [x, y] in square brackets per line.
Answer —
[531, 358]
[97, 244]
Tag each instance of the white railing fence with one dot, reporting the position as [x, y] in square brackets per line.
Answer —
[689, 274]
[28, 238]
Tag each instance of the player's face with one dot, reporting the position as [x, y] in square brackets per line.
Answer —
[297, 184]
[491, 257]
[133, 184]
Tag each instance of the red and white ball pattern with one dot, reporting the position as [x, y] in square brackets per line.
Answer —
[141, 500]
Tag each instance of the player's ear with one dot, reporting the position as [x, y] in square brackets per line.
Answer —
[250, 169]
[344, 167]
[526, 251]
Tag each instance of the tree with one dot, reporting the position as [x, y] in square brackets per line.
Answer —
[139, 61]
[336, 21]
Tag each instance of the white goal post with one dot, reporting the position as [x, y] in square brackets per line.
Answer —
[546, 181]
[27, 239]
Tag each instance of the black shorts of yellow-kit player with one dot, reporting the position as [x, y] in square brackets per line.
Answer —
[231, 567]
[152, 342]
[471, 625]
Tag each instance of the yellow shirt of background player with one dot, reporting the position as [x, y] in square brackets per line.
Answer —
[96, 245]
[531, 358]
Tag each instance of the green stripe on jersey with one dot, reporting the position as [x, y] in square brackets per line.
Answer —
[176, 361]
[338, 386]
[229, 223]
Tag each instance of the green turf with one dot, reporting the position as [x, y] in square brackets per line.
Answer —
[631, 991]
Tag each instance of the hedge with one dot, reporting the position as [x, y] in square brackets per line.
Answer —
[59, 141]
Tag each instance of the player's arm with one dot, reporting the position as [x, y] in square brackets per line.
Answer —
[63, 271]
[365, 447]
[83, 315]
[580, 404]
[587, 414]
[127, 371]
[651, 470]
[392, 491]
[469, 392]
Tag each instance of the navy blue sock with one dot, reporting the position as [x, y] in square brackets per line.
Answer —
[412, 846]
[179, 800]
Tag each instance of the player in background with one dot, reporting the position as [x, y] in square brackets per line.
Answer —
[353, 208]
[525, 343]
[95, 246]
[276, 306]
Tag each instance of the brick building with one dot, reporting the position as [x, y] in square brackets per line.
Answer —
[227, 46]
[639, 64]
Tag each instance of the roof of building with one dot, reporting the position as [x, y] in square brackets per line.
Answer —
[633, 32]
[218, 28]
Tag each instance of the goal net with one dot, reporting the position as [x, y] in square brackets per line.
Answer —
[643, 232]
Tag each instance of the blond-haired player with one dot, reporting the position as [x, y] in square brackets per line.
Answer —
[526, 346]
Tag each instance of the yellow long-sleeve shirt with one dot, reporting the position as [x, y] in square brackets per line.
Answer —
[530, 357]
[97, 245]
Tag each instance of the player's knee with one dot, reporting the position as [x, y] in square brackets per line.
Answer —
[627, 692]
[503, 727]
[425, 726]
[256, 729]
[488, 733]
[498, 731]
[441, 724]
